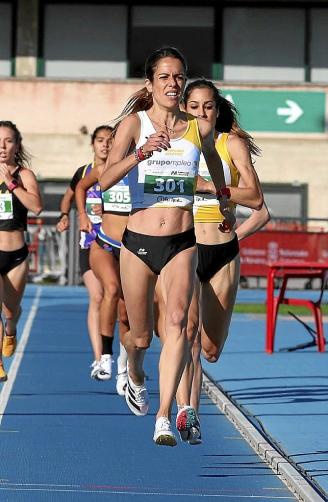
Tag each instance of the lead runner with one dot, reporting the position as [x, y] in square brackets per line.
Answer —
[159, 146]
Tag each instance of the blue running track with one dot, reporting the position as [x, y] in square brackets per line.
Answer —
[66, 437]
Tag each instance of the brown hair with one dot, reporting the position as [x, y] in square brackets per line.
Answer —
[100, 128]
[227, 120]
[142, 99]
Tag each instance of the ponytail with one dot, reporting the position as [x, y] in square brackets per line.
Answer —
[140, 100]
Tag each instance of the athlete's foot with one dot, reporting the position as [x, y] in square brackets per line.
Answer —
[188, 425]
[121, 377]
[102, 370]
[9, 345]
[3, 374]
[105, 364]
[136, 397]
[94, 368]
[163, 434]
[121, 382]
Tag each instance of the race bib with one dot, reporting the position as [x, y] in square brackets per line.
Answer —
[6, 206]
[205, 199]
[117, 199]
[175, 190]
[91, 201]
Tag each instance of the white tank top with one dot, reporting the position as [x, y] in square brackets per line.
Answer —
[167, 179]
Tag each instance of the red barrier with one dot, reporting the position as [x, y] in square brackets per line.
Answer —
[264, 247]
[291, 270]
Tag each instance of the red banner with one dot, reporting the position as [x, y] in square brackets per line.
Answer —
[267, 246]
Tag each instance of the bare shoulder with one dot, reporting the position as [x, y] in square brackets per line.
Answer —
[130, 123]
[236, 141]
[26, 174]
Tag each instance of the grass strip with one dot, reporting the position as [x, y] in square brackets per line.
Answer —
[260, 308]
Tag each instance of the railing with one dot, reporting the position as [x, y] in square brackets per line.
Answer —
[53, 255]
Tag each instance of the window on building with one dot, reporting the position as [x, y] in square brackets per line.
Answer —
[91, 43]
[263, 44]
[5, 39]
[190, 29]
[319, 45]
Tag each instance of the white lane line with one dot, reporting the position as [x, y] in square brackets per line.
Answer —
[296, 483]
[150, 494]
[14, 367]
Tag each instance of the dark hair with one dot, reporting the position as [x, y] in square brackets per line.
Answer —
[227, 120]
[100, 128]
[142, 99]
[22, 157]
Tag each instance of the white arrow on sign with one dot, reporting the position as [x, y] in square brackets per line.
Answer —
[229, 98]
[293, 112]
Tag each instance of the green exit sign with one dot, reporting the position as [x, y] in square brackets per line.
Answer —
[279, 111]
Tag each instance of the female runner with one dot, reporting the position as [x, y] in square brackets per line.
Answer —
[218, 252]
[104, 261]
[159, 146]
[19, 193]
[101, 140]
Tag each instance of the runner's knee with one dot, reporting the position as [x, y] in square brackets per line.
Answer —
[142, 341]
[96, 298]
[176, 318]
[112, 292]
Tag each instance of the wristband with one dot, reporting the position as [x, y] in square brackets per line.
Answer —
[141, 155]
[12, 185]
[63, 214]
[223, 192]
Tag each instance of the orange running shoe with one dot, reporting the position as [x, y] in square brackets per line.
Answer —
[3, 374]
[9, 345]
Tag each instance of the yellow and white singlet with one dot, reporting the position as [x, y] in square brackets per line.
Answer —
[206, 205]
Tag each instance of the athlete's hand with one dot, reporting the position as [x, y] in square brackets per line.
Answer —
[85, 223]
[229, 219]
[157, 142]
[63, 224]
[5, 173]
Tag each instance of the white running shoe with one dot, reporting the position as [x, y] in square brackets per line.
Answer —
[188, 425]
[94, 368]
[104, 369]
[121, 382]
[163, 434]
[136, 397]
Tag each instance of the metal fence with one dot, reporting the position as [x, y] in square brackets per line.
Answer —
[54, 256]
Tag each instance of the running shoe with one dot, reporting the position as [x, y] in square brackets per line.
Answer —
[188, 425]
[105, 367]
[94, 368]
[3, 374]
[121, 382]
[102, 370]
[9, 345]
[137, 398]
[163, 434]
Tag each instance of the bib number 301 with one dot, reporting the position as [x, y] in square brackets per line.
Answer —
[169, 185]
